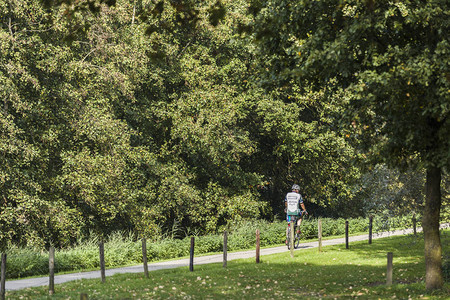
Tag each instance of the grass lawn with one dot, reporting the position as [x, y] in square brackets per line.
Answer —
[358, 272]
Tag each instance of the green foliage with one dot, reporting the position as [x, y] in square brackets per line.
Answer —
[107, 125]
[167, 249]
[24, 262]
[385, 60]
[209, 244]
[96, 132]
[299, 144]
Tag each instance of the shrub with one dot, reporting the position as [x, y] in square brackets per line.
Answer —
[23, 262]
[209, 243]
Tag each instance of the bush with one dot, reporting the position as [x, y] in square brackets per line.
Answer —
[273, 234]
[209, 243]
[167, 249]
[23, 262]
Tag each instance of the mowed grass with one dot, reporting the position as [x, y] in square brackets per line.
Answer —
[336, 273]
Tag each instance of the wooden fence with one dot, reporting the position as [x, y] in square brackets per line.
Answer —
[191, 257]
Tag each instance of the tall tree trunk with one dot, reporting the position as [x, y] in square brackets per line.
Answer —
[433, 247]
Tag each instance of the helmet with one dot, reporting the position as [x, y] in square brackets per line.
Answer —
[296, 187]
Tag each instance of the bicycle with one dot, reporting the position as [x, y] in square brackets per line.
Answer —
[296, 235]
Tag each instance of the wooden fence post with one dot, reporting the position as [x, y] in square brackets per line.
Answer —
[83, 296]
[389, 270]
[225, 241]
[191, 258]
[370, 229]
[51, 268]
[346, 234]
[320, 234]
[414, 221]
[144, 257]
[257, 246]
[291, 242]
[3, 277]
[102, 261]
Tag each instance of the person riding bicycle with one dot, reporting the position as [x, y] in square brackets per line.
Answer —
[292, 203]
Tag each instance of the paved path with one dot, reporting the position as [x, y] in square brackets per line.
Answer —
[218, 258]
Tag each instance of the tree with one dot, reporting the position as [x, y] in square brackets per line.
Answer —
[127, 90]
[391, 61]
[30, 129]
[139, 111]
[298, 143]
[69, 166]
[203, 114]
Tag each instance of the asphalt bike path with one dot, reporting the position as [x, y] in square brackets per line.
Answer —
[217, 258]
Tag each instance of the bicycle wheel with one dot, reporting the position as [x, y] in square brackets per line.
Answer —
[296, 240]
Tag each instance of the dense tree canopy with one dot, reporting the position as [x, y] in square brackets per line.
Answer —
[139, 115]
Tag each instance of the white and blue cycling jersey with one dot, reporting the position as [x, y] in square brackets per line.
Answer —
[293, 201]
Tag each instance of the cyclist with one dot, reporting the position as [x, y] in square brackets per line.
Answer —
[292, 203]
